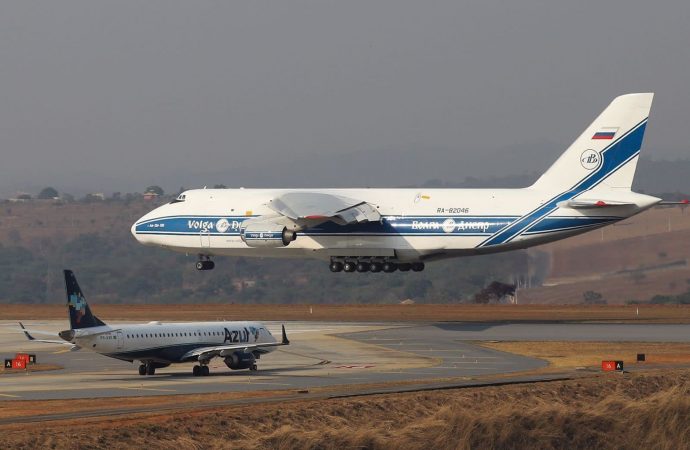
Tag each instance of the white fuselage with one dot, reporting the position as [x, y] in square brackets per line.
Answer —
[168, 342]
[416, 224]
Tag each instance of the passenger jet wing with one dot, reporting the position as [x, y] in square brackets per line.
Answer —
[206, 353]
[315, 206]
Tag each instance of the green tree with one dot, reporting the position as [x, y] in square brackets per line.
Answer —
[48, 193]
[155, 189]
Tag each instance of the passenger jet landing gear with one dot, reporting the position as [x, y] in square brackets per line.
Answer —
[200, 371]
[205, 263]
[147, 369]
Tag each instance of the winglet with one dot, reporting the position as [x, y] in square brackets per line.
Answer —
[285, 338]
[26, 333]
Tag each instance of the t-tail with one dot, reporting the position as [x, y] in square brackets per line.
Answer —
[80, 315]
[605, 155]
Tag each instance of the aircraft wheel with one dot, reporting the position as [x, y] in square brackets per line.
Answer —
[142, 369]
[336, 266]
[363, 267]
[195, 371]
[404, 267]
[389, 267]
[150, 370]
[376, 267]
[205, 265]
[349, 266]
[417, 266]
[253, 368]
[204, 371]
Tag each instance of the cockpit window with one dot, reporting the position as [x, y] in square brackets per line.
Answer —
[180, 198]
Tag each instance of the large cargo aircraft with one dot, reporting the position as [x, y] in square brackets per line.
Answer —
[157, 344]
[375, 230]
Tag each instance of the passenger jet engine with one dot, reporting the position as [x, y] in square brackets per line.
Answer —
[240, 360]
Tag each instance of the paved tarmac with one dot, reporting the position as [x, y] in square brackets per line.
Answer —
[321, 354]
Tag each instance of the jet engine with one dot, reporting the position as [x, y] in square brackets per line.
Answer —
[240, 360]
[266, 234]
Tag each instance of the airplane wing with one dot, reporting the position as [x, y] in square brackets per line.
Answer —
[206, 353]
[316, 207]
[46, 341]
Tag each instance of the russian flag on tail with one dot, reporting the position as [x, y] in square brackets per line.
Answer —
[605, 133]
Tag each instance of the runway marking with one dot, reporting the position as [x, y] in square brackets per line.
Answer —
[146, 389]
[10, 395]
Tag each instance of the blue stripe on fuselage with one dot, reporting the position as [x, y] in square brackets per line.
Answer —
[389, 226]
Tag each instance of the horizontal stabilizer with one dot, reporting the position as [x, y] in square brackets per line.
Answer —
[587, 204]
[681, 202]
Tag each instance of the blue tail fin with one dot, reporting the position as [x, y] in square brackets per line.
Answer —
[80, 315]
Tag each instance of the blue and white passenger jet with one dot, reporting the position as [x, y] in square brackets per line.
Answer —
[155, 344]
[375, 230]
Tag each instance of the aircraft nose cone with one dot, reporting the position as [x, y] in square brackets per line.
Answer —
[133, 230]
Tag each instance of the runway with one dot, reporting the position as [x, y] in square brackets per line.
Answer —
[321, 354]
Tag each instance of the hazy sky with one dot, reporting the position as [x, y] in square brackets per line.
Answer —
[121, 94]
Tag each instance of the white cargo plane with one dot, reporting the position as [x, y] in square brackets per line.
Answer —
[157, 344]
[362, 230]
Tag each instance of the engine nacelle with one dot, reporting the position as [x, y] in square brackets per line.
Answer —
[266, 234]
[240, 360]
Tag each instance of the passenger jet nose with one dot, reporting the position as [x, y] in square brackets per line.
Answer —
[133, 230]
[144, 230]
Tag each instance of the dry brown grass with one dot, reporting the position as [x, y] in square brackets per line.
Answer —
[577, 354]
[345, 313]
[645, 410]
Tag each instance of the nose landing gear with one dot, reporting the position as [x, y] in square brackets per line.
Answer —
[205, 263]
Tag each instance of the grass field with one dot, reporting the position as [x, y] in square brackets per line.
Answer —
[643, 410]
[344, 313]
[568, 355]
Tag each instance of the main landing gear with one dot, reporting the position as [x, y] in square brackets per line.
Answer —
[147, 369]
[200, 371]
[373, 265]
[205, 263]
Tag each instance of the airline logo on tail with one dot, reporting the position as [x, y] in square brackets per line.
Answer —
[590, 159]
[78, 304]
